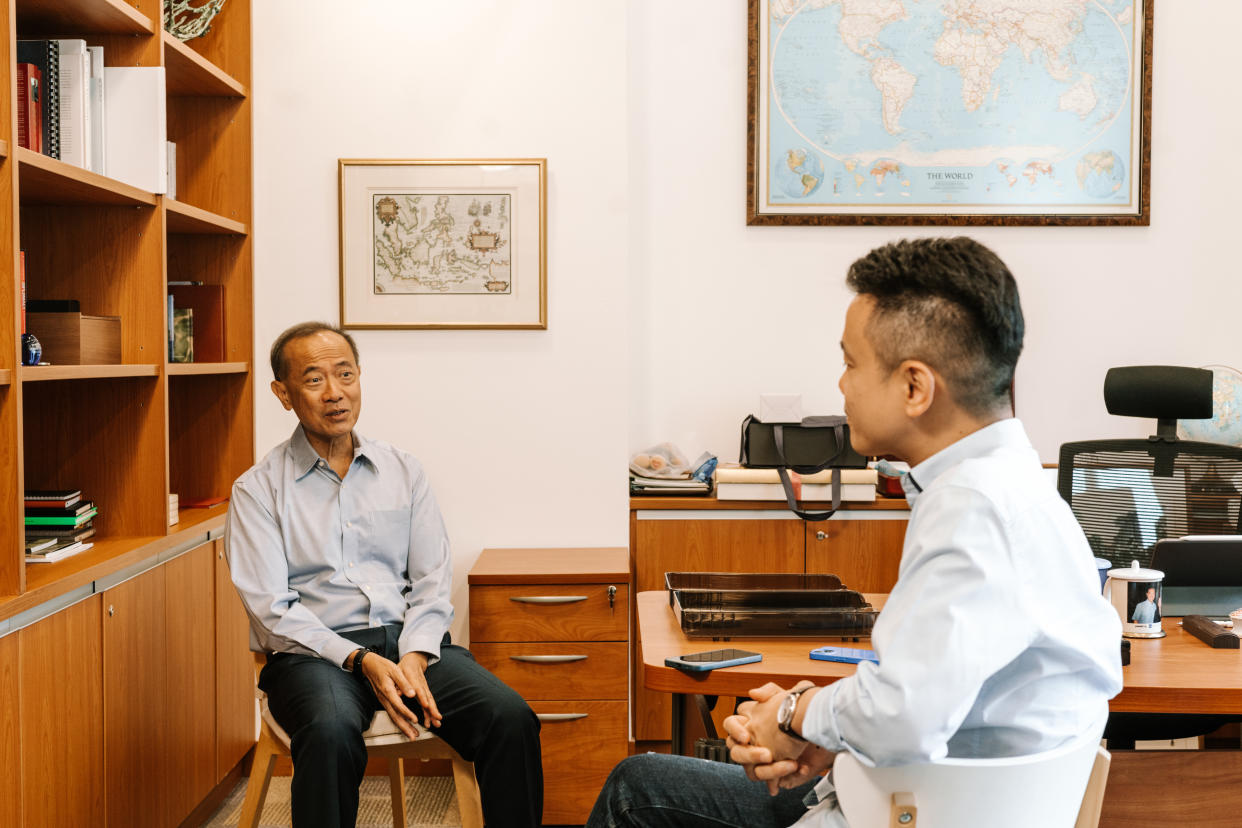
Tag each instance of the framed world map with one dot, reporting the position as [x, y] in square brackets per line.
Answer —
[949, 112]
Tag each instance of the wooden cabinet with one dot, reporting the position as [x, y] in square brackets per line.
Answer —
[62, 721]
[235, 705]
[861, 543]
[136, 705]
[553, 625]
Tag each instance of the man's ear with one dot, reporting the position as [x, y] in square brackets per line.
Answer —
[282, 394]
[919, 384]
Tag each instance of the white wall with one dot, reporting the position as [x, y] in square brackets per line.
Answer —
[522, 432]
[723, 312]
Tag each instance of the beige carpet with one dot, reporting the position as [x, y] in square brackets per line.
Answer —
[430, 802]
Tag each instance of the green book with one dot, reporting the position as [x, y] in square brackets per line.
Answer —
[69, 520]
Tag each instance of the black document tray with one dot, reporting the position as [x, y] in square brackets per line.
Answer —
[725, 604]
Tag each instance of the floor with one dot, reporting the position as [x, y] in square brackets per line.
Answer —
[430, 802]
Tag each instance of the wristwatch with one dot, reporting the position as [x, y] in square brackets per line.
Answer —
[360, 654]
[785, 713]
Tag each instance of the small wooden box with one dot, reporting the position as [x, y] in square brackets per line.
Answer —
[77, 339]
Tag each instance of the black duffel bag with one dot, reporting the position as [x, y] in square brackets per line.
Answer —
[813, 445]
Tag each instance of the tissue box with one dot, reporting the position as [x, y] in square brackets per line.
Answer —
[77, 339]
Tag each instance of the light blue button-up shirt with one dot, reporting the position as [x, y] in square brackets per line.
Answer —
[995, 640]
[313, 555]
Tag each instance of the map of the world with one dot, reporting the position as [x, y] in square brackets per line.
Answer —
[974, 106]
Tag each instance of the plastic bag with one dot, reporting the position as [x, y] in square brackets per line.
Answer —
[664, 460]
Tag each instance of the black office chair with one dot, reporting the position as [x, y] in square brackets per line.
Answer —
[1128, 494]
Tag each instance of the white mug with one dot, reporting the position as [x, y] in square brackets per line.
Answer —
[1135, 593]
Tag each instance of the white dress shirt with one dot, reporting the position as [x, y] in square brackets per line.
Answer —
[995, 640]
[313, 555]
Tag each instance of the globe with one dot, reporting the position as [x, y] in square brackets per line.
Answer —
[1225, 425]
[799, 172]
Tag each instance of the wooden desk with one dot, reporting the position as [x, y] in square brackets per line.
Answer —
[1175, 674]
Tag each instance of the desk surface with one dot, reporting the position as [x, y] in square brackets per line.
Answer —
[1175, 674]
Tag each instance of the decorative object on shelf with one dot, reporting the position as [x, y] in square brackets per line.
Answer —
[188, 19]
[895, 119]
[32, 351]
[443, 244]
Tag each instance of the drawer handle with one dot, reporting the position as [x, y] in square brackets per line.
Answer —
[560, 717]
[548, 659]
[547, 599]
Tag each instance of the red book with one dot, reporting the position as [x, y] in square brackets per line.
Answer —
[29, 107]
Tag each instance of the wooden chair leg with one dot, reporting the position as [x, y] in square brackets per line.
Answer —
[468, 802]
[396, 777]
[265, 753]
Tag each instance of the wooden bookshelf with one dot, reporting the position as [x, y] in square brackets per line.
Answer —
[44, 373]
[46, 180]
[189, 73]
[126, 433]
[186, 218]
[189, 369]
[36, 18]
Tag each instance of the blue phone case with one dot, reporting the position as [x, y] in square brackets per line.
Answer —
[848, 655]
[704, 666]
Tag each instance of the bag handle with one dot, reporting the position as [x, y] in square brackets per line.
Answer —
[778, 434]
[793, 502]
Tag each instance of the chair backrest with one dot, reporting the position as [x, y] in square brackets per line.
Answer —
[1044, 790]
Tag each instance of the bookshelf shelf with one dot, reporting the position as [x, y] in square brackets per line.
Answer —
[190, 369]
[186, 218]
[43, 373]
[189, 518]
[86, 16]
[45, 180]
[189, 73]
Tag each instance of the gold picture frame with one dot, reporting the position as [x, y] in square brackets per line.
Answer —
[444, 244]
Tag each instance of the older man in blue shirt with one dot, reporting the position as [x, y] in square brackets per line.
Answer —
[341, 558]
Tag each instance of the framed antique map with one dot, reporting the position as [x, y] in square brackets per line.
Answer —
[443, 244]
[949, 112]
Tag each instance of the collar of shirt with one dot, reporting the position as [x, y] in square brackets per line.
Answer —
[1006, 432]
[306, 459]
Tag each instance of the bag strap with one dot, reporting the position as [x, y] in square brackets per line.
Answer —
[837, 424]
[793, 502]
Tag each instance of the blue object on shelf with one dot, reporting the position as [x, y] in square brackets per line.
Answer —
[32, 351]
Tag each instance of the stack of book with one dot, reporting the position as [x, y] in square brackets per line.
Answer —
[668, 486]
[58, 524]
[733, 482]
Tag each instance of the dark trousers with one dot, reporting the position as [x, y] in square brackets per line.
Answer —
[325, 710]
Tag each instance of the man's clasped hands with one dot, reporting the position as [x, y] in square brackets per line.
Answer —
[764, 751]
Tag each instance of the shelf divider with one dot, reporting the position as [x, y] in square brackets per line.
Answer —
[44, 373]
[187, 369]
[45, 180]
[186, 218]
[189, 73]
[55, 17]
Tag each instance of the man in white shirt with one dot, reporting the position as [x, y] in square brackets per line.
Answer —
[974, 660]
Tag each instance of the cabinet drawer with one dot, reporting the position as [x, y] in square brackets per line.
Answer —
[548, 612]
[567, 670]
[582, 742]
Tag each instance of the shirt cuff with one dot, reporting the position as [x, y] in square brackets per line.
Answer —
[819, 723]
[337, 649]
[421, 641]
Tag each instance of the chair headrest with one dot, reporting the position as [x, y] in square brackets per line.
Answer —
[1161, 392]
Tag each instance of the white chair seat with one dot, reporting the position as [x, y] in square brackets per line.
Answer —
[1055, 789]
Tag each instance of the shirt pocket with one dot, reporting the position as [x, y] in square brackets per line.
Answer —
[387, 541]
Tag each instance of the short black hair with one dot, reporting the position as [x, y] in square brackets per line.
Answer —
[298, 331]
[950, 302]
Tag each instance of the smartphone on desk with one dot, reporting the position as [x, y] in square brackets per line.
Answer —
[711, 659]
[849, 655]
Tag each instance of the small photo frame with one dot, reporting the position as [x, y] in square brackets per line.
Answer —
[443, 244]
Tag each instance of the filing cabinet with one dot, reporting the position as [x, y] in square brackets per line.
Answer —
[553, 624]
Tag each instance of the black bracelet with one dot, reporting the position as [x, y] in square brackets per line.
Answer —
[361, 654]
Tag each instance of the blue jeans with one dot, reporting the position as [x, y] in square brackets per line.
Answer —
[655, 790]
